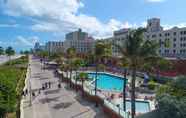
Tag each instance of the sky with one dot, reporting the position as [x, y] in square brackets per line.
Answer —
[24, 22]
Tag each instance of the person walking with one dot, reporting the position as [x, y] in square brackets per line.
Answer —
[49, 84]
[26, 91]
[43, 87]
[59, 85]
[46, 85]
[33, 94]
[39, 91]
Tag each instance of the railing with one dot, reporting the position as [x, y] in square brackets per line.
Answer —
[116, 108]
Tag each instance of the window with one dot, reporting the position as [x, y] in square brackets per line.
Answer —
[160, 35]
[167, 34]
[181, 39]
[181, 45]
[154, 36]
[174, 51]
[159, 51]
[166, 51]
[181, 32]
[174, 39]
[184, 38]
[184, 32]
[174, 33]
[174, 45]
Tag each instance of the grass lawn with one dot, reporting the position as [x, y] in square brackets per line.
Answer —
[12, 75]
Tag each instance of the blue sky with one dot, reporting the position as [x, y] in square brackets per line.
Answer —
[23, 22]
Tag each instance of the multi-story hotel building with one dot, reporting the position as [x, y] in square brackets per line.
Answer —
[172, 42]
[54, 47]
[80, 41]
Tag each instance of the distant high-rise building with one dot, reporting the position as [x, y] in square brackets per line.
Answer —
[80, 41]
[38, 47]
[153, 25]
[54, 46]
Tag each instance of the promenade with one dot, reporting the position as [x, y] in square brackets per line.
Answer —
[4, 58]
[54, 102]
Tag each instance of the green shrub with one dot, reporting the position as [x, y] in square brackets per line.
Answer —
[152, 85]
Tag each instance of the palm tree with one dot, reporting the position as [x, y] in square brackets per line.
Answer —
[77, 62]
[102, 50]
[71, 52]
[82, 77]
[1, 50]
[135, 50]
[123, 64]
[9, 52]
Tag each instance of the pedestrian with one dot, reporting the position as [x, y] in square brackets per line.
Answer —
[23, 93]
[33, 94]
[39, 91]
[59, 85]
[49, 84]
[26, 91]
[46, 85]
[43, 87]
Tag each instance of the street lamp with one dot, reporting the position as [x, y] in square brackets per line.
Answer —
[30, 102]
[118, 105]
[124, 89]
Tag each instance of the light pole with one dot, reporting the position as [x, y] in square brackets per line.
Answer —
[30, 90]
[124, 89]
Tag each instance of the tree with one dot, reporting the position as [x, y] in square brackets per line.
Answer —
[77, 62]
[171, 99]
[123, 63]
[82, 77]
[1, 51]
[9, 52]
[71, 53]
[102, 51]
[135, 50]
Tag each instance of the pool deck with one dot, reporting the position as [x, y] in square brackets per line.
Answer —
[141, 97]
[105, 94]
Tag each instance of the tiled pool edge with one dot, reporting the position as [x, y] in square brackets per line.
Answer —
[111, 108]
[151, 103]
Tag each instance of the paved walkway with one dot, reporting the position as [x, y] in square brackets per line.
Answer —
[4, 58]
[54, 102]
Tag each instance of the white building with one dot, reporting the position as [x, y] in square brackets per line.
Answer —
[54, 47]
[80, 41]
[172, 42]
[38, 47]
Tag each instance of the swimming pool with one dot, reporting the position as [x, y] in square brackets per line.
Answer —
[114, 83]
[108, 82]
[141, 106]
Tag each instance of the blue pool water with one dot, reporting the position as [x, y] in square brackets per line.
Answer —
[108, 82]
[141, 107]
[111, 82]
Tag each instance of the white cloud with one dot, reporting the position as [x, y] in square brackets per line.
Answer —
[8, 25]
[155, 0]
[30, 41]
[179, 25]
[62, 16]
